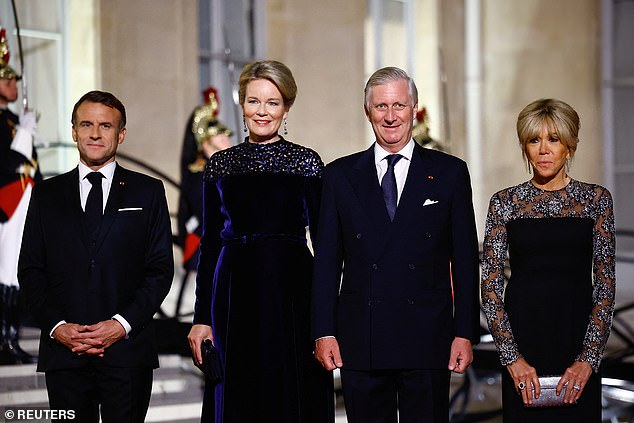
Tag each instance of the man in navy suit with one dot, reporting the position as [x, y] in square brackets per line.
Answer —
[397, 222]
[95, 265]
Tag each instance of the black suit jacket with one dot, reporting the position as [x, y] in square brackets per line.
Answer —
[129, 271]
[395, 307]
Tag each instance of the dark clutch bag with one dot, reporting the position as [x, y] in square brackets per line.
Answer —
[548, 393]
[211, 365]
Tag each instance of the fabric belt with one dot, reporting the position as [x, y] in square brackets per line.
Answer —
[247, 239]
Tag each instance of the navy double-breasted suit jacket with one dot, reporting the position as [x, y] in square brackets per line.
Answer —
[128, 271]
[396, 293]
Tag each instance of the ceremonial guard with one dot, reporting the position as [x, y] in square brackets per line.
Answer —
[204, 135]
[19, 170]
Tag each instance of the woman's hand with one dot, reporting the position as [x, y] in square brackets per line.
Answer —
[525, 380]
[574, 379]
[197, 335]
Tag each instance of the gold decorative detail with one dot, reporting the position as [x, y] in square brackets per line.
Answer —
[6, 71]
[205, 123]
[211, 135]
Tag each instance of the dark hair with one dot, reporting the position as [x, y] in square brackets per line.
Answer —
[101, 97]
[275, 72]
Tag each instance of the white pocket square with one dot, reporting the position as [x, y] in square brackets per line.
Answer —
[429, 202]
[131, 209]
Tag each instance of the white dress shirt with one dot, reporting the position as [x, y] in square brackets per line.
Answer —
[400, 168]
[400, 172]
[84, 188]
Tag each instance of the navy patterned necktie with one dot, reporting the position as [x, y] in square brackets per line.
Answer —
[388, 185]
[94, 203]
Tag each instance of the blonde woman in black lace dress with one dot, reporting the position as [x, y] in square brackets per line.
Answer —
[554, 315]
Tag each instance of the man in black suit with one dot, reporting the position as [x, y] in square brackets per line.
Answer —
[397, 221]
[95, 265]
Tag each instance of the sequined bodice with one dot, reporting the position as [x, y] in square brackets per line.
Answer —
[512, 213]
[277, 157]
[263, 189]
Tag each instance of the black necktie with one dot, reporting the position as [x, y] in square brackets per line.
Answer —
[388, 185]
[94, 203]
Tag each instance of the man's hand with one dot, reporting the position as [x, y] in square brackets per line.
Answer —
[461, 355]
[327, 353]
[95, 339]
[66, 335]
[197, 335]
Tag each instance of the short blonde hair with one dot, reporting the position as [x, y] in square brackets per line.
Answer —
[275, 72]
[560, 118]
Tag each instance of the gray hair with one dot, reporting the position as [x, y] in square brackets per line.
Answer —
[385, 75]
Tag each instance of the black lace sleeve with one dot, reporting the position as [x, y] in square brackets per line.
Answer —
[604, 250]
[492, 286]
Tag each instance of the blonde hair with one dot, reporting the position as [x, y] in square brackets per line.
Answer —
[558, 116]
[275, 72]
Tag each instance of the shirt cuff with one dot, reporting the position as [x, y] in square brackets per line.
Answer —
[124, 323]
[61, 322]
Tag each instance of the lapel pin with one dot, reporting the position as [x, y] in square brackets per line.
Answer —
[121, 183]
[430, 177]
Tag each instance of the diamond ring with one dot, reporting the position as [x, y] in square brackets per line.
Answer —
[521, 386]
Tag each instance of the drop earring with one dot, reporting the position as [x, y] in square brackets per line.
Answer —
[285, 128]
[244, 125]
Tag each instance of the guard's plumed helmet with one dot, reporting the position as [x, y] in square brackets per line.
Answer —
[6, 71]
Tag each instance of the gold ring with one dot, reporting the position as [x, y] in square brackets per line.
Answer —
[521, 386]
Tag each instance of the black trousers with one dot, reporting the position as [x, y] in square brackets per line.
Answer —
[374, 396]
[122, 393]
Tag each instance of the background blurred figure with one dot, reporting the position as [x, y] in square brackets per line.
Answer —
[19, 170]
[204, 135]
[254, 275]
[556, 313]
[420, 131]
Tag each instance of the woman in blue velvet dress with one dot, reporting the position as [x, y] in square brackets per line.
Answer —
[254, 271]
[554, 315]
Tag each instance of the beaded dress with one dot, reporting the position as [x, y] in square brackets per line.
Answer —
[254, 280]
[559, 300]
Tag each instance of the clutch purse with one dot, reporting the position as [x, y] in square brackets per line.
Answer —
[211, 365]
[548, 393]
